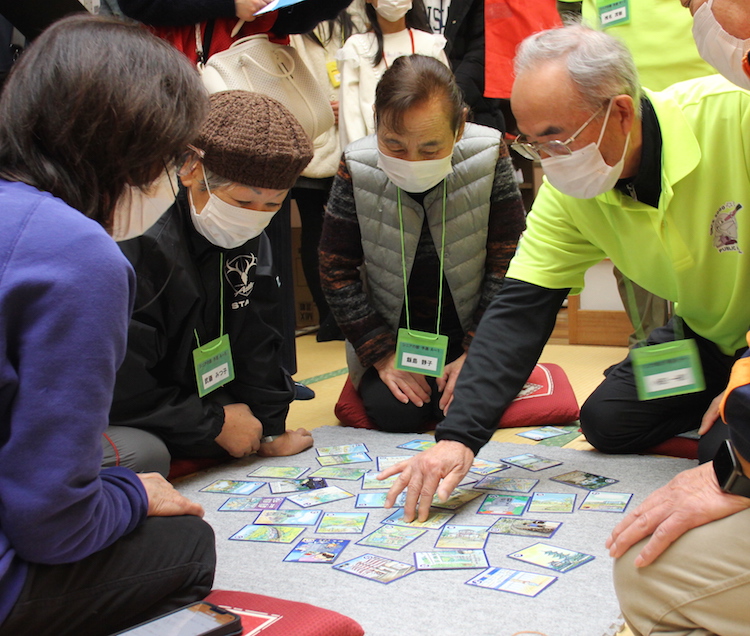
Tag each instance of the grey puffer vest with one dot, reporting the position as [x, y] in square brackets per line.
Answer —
[469, 189]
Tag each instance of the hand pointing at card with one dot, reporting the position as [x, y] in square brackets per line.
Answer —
[438, 469]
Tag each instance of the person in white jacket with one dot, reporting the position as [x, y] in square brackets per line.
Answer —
[397, 27]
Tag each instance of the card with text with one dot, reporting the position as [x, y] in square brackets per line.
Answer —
[581, 479]
[525, 527]
[296, 485]
[503, 505]
[278, 472]
[287, 518]
[343, 449]
[514, 581]
[462, 537]
[606, 501]
[450, 560]
[417, 444]
[267, 534]
[529, 461]
[351, 458]
[435, 521]
[376, 568]
[319, 496]
[233, 487]
[552, 557]
[342, 523]
[391, 537]
[506, 484]
[251, 504]
[317, 550]
[542, 502]
[484, 467]
[339, 472]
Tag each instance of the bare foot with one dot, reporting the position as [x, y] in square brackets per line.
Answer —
[290, 443]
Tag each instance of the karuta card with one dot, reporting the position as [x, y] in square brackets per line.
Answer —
[287, 518]
[514, 581]
[551, 502]
[525, 527]
[462, 537]
[351, 458]
[251, 504]
[343, 449]
[376, 568]
[342, 523]
[371, 482]
[435, 521]
[339, 472]
[417, 444]
[319, 496]
[450, 559]
[483, 467]
[606, 501]
[377, 500]
[545, 432]
[232, 487]
[296, 485]
[581, 479]
[529, 461]
[552, 557]
[506, 484]
[269, 534]
[391, 537]
[457, 498]
[387, 462]
[503, 505]
[317, 550]
[278, 472]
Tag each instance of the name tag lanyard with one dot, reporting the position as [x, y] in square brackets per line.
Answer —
[421, 351]
[668, 368]
[213, 361]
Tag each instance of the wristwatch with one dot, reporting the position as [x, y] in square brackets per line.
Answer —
[729, 471]
[270, 438]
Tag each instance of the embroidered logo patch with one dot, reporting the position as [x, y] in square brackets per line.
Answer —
[724, 228]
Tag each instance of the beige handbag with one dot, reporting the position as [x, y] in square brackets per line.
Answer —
[256, 64]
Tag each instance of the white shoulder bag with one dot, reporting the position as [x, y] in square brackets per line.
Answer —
[256, 64]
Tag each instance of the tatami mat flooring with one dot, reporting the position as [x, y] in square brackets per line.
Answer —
[322, 366]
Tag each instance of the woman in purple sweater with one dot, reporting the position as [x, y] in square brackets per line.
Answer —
[93, 109]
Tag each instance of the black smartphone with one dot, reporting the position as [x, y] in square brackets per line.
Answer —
[197, 619]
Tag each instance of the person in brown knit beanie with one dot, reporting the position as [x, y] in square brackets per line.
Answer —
[252, 139]
[206, 272]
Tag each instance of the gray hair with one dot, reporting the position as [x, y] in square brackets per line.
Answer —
[214, 180]
[599, 65]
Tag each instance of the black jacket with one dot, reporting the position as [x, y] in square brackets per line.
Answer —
[464, 31]
[178, 295]
[298, 18]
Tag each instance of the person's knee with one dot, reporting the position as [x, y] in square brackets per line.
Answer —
[632, 590]
[398, 417]
[597, 426]
[134, 448]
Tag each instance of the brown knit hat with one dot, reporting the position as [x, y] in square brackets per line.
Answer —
[253, 140]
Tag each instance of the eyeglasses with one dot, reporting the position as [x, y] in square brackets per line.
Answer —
[531, 149]
[189, 159]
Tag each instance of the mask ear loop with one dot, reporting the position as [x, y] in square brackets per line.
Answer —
[606, 119]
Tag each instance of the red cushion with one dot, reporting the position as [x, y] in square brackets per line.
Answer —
[182, 467]
[675, 447]
[297, 619]
[547, 398]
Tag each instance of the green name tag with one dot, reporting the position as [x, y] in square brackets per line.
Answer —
[613, 12]
[421, 352]
[213, 365]
[670, 368]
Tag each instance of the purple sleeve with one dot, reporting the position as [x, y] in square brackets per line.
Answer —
[65, 298]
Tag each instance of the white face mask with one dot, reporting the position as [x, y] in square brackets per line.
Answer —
[137, 210]
[227, 225]
[415, 176]
[584, 174]
[393, 10]
[722, 51]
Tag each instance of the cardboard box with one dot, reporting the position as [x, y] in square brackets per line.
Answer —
[305, 310]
